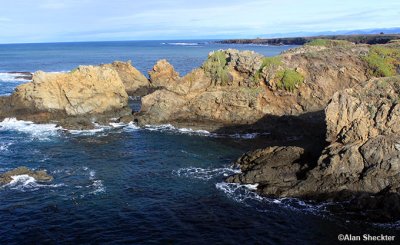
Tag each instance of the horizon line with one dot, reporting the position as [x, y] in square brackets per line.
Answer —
[277, 35]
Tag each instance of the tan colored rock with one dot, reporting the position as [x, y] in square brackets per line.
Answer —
[242, 98]
[84, 91]
[134, 81]
[164, 75]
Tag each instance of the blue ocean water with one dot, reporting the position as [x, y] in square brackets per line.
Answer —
[152, 185]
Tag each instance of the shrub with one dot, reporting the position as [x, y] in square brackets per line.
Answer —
[383, 61]
[288, 79]
[216, 67]
[328, 43]
[269, 62]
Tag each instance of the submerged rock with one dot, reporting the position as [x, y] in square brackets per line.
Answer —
[40, 175]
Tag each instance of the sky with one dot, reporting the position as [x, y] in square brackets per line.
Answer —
[29, 21]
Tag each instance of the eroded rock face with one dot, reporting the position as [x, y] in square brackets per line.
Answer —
[136, 84]
[40, 175]
[364, 135]
[85, 94]
[361, 162]
[232, 87]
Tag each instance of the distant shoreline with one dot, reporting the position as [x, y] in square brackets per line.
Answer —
[367, 39]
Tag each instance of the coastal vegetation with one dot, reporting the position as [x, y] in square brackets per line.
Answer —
[288, 79]
[329, 43]
[217, 69]
[383, 61]
[368, 39]
[270, 63]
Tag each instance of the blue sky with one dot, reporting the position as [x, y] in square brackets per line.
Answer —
[24, 21]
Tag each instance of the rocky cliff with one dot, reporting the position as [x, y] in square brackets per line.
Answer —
[240, 87]
[361, 163]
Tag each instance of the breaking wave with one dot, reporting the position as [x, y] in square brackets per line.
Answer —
[13, 77]
[27, 183]
[35, 131]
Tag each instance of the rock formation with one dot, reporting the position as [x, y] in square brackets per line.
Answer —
[136, 84]
[361, 164]
[88, 93]
[40, 175]
[240, 87]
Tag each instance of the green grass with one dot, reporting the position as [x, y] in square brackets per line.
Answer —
[328, 43]
[269, 62]
[383, 61]
[288, 80]
[215, 65]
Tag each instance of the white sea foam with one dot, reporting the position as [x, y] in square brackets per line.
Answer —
[118, 125]
[238, 192]
[4, 146]
[98, 187]
[131, 127]
[170, 128]
[245, 194]
[12, 77]
[189, 131]
[25, 182]
[36, 131]
[205, 173]
[95, 185]
[92, 174]
[87, 131]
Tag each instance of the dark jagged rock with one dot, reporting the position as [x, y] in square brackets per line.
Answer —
[361, 164]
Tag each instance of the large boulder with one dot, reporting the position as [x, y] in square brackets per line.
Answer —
[86, 90]
[136, 84]
[87, 94]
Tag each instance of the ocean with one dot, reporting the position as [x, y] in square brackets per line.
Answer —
[122, 184]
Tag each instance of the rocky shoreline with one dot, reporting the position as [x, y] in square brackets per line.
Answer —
[337, 102]
[366, 39]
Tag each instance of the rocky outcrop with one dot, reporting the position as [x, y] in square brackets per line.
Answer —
[88, 94]
[360, 165]
[240, 87]
[39, 175]
[136, 84]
